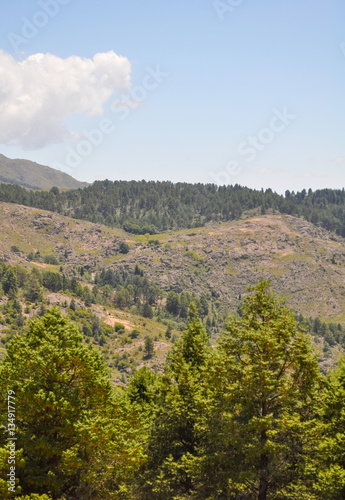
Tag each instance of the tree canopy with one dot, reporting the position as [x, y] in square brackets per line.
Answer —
[252, 417]
[149, 207]
[67, 418]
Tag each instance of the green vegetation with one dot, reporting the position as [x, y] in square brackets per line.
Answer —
[67, 416]
[252, 418]
[249, 406]
[34, 176]
[123, 247]
[142, 207]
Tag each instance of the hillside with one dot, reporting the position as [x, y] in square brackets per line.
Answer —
[304, 263]
[151, 207]
[34, 176]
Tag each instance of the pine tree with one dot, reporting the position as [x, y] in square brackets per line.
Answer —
[330, 467]
[76, 438]
[10, 283]
[263, 415]
[149, 347]
[174, 436]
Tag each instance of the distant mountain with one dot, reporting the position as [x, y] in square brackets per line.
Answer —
[31, 175]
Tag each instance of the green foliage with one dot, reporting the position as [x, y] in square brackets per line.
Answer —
[33, 496]
[149, 347]
[203, 307]
[54, 190]
[242, 421]
[142, 386]
[5, 461]
[173, 303]
[123, 247]
[168, 332]
[154, 243]
[69, 426]
[51, 259]
[33, 291]
[330, 467]
[134, 334]
[119, 328]
[15, 249]
[10, 283]
[252, 418]
[264, 409]
[175, 436]
[160, 206]
[139, 228]
[122, 298]
[194, 256]
[147, 310]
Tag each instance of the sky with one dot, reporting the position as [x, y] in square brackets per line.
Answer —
[211, 91]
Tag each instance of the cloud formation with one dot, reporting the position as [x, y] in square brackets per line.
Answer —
[39, 93]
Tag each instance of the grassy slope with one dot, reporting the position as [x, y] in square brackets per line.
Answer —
[117, 345]
[30, 174]
[306, 264]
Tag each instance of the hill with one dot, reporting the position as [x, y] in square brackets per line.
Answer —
[142, 207]
[34, 176]
[304, 263]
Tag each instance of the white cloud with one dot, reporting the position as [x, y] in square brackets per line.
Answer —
[39, 93]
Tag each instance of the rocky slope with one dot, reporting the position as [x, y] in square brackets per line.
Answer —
[306, 264]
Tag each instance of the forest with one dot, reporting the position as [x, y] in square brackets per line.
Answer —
[149, 207]
[252, 417]
[124, 289]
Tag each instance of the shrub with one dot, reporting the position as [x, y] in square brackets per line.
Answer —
[50, 259]
[119, 328]
[123, 247]
[134, 334]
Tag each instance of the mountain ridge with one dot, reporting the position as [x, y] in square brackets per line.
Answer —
[151, 207]
[32, 175]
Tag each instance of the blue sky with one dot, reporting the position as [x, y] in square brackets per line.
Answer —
[197, 90]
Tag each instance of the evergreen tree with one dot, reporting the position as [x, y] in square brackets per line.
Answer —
[184, 301]
[173, 303]
[10, 283]
[147, 311]
[77, 440]
[330, 482]
[149, 347]
[263, 412]
[141, 388]
[174, 436]
[33, 291]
